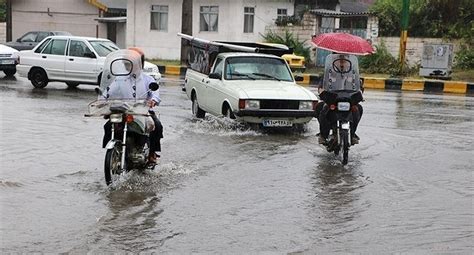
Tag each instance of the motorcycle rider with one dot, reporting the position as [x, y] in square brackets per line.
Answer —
[142, 83]
[345, 64]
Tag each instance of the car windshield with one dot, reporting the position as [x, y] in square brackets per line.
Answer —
[257, 68]
[103, 48]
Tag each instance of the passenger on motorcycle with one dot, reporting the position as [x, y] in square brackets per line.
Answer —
[341, 72]
[135, 86]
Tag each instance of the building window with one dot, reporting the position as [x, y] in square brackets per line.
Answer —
[209, 18]
[249, 13]
[282, 13]
[159, 17]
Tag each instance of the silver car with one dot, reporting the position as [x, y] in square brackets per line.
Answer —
[29, 40]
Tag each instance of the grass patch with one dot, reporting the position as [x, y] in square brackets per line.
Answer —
[165, 62]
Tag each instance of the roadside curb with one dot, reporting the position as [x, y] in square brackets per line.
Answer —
[172, 70]
[438, 86]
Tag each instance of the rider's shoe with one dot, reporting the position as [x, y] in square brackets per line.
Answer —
[355, 139]
[322, 140]
[153, 158]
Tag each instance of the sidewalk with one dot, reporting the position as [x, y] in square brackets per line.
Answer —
[439, 86]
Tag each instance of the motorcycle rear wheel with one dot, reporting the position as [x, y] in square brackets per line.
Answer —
[345, 146]
[112, 165]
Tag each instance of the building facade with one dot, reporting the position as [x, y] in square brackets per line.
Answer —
[76, 17]
[92, 18]
[153, 24]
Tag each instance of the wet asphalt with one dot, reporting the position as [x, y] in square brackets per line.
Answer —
[222, 188]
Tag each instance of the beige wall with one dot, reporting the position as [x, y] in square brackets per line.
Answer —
[167, 45]
[231, 18]
[155, 44]
[3, 32]
[414, 46]
[74, 16]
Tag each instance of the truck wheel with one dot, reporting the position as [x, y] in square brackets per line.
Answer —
[10, 72]
[72, 85]
[197, 111]
[228, 113]
[38, 78]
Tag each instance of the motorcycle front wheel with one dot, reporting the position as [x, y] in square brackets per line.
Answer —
[112, 164]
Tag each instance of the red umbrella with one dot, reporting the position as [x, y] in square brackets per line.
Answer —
[343, 43]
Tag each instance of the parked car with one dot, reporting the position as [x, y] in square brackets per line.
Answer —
[29, 40]
[71, 59]
[296, 63]
[8, 60]
[253, 88]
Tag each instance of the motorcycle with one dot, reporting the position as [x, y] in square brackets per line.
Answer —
[340, 106]
[129, 118]
[342, 92]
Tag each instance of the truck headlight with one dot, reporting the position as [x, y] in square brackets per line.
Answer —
[252, 104]
[249, 104]
[306, 105]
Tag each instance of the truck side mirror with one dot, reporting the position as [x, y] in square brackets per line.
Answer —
[299, 78]
[217, 76]
[153, 86]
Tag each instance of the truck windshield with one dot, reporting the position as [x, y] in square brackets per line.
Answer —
[103, 48]
[256, 68]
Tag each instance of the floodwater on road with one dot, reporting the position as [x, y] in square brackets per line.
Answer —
[221, 188]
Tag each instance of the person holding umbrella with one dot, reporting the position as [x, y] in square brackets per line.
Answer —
[341, 73]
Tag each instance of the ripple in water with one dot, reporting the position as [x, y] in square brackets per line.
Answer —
[10, 184]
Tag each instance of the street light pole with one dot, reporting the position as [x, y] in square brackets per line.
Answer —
[404, 33]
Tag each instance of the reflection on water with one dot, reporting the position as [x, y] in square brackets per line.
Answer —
[337, 204]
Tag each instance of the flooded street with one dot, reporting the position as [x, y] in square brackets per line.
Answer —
[220, 188]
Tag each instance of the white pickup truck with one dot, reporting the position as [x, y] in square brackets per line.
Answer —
[250, 87]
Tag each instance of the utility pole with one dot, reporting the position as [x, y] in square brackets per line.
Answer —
[9, 20]
[186, 28]
[404, 33]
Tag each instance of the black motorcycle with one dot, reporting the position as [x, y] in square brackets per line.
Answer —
[340, 106]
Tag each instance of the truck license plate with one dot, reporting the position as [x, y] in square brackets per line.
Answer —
[277, 123]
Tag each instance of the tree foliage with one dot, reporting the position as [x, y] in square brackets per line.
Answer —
[428, 18]
[2, 11]
[449, 19]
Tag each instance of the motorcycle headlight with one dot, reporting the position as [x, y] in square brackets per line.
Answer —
[252, 104]
[116, 118]
[306, 105]
[343, 106]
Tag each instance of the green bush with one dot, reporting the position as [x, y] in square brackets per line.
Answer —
[465, 58]
[383, 62]
[291, 41]
[286, 20]
[379, 62]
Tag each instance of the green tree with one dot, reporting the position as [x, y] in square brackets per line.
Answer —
[428, 18]
[2, 11]
[449, 19]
